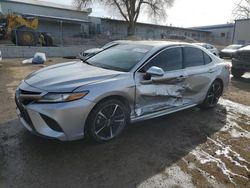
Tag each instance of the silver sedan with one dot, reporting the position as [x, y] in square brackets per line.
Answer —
[126, 83]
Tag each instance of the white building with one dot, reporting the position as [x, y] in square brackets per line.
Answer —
[242, 32]
[118, 29]
[220, 34]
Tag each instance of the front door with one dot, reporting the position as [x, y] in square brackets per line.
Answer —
[162, 92]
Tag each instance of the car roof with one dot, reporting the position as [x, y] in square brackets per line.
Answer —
[197, 43]
[202, 43]
[154, 43]
[235, 45]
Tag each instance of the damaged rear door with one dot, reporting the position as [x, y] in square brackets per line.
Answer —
[157, 93]
[200, 73]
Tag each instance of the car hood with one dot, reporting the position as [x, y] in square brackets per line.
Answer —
[229, 50]
[246, 48]
[66, 77]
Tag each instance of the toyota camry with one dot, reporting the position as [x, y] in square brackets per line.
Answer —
[120, 85]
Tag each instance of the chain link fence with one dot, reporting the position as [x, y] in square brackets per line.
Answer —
[75, 38]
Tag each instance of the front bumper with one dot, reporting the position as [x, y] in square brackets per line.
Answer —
[239, 64]
[70, 117]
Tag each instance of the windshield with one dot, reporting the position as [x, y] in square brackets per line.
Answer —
[234, 47]
[122, 57]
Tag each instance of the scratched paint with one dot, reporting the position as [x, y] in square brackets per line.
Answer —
[168, 96]
[161, 90]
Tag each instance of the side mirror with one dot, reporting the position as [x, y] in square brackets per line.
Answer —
[155, 71]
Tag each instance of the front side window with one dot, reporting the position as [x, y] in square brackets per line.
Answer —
[168, 60]
[193, 57]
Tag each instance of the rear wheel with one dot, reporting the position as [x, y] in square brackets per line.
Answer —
[107, 120]
[237, 73]
[213, 95]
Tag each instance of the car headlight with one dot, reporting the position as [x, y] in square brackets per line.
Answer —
[62, 97]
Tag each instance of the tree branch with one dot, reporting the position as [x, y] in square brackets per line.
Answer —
[120, 9]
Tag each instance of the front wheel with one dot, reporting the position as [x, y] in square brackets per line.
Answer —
[213, 95]
[107, 120]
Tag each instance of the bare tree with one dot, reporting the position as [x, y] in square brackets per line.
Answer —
[131, 9]
[242, 10]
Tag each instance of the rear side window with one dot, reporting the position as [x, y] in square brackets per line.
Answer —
[207, 59]
[168, 60]
[193, 57]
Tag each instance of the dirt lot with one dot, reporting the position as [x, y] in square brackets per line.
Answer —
[192, 148]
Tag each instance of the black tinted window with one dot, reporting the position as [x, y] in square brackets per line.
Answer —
[168, 60]
[193, 57]
[207, 59]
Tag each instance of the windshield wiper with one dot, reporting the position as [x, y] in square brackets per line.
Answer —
[85, 61]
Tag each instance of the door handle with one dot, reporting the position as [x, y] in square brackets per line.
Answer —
[211, 70]
[181, 78]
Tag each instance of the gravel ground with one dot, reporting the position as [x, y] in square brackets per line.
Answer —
[191, 148]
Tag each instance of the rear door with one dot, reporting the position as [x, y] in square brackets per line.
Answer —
[199, 70]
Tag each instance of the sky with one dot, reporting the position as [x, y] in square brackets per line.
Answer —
[184, 13]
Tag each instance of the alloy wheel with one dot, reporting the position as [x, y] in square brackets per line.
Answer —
[214, 93]
[109, 122]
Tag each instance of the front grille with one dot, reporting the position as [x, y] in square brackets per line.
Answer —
[243, 56]
[226, 55]
[24, 92]
[28, 99]
[23, 112]
[22, 99]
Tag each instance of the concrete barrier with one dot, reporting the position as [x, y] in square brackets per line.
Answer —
[29, 51]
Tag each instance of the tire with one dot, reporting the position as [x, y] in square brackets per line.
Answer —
[47, 39]
[25, 36]
[237, 73]
[107, 120]
[213, 95]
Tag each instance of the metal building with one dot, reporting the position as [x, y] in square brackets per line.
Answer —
[63, 22]
[220, 34]
[117, 29]
[242, 32]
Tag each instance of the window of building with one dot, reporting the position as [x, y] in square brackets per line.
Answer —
[222, 34]
[98, 28]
